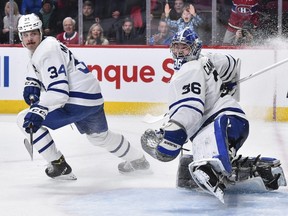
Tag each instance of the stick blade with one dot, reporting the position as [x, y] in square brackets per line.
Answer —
[29, 148]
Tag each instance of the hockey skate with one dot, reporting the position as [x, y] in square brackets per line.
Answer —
[60, 169]
[139, 165]
[211, 182]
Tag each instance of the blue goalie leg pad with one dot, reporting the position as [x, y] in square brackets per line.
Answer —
[220, 125]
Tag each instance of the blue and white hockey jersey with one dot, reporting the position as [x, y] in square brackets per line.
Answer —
[195, 97]
[64, 79]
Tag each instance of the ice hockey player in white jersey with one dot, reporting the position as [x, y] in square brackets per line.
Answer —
[200, 111]
[60, 91]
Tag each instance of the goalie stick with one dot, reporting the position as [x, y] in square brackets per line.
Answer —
[148, 118]
[262, 71]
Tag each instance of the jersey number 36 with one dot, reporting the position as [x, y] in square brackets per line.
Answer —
[193, 87]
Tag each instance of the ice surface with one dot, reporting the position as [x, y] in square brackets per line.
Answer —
[102, 190]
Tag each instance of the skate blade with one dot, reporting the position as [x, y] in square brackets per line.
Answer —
[201, 179]
[137, 172]
[69, 176]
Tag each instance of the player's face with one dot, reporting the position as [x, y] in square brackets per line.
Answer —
[180, 49]
[31, 39]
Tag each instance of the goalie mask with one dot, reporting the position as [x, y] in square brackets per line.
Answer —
[185, 46]
[29, 22]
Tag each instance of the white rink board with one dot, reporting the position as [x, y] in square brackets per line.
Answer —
[139, 73]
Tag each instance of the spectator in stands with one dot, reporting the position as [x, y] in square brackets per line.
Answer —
[243, 37]
[29, 6]
[110, 13]
[164, 35]
[241, 11]
[126, 34]
[189, 18]
[95, 36]
[48, 16]
[111, 26]
[88, 17]
[105, 9]
[65, 8]
[156, 14]
[176, 10]
[136, 10]
[69, 36]
[6, 23]
[157, 8]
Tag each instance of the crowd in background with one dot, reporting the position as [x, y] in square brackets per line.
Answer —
[237, 22]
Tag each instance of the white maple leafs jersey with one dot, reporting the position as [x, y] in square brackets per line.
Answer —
[64, 79]
[195, 97]
[226, 65]
[228, 69]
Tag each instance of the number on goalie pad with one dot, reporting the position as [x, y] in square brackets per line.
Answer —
[210, 144]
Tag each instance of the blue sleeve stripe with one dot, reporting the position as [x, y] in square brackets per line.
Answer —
[185, 100]
[190, 107]
[85, 95]
[57, 82]
[58, 90]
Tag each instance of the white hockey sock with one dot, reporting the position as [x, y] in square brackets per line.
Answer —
[116, 144]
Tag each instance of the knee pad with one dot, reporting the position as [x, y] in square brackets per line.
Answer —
[210, 145]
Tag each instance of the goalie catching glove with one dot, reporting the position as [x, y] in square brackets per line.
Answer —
[35, 117]
[165, 144]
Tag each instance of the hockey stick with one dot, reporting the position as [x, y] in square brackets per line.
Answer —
[29, 145]
[148, 118]
[262, 71]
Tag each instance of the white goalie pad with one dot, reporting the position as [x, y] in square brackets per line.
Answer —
[214, 162]
[210, 146]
